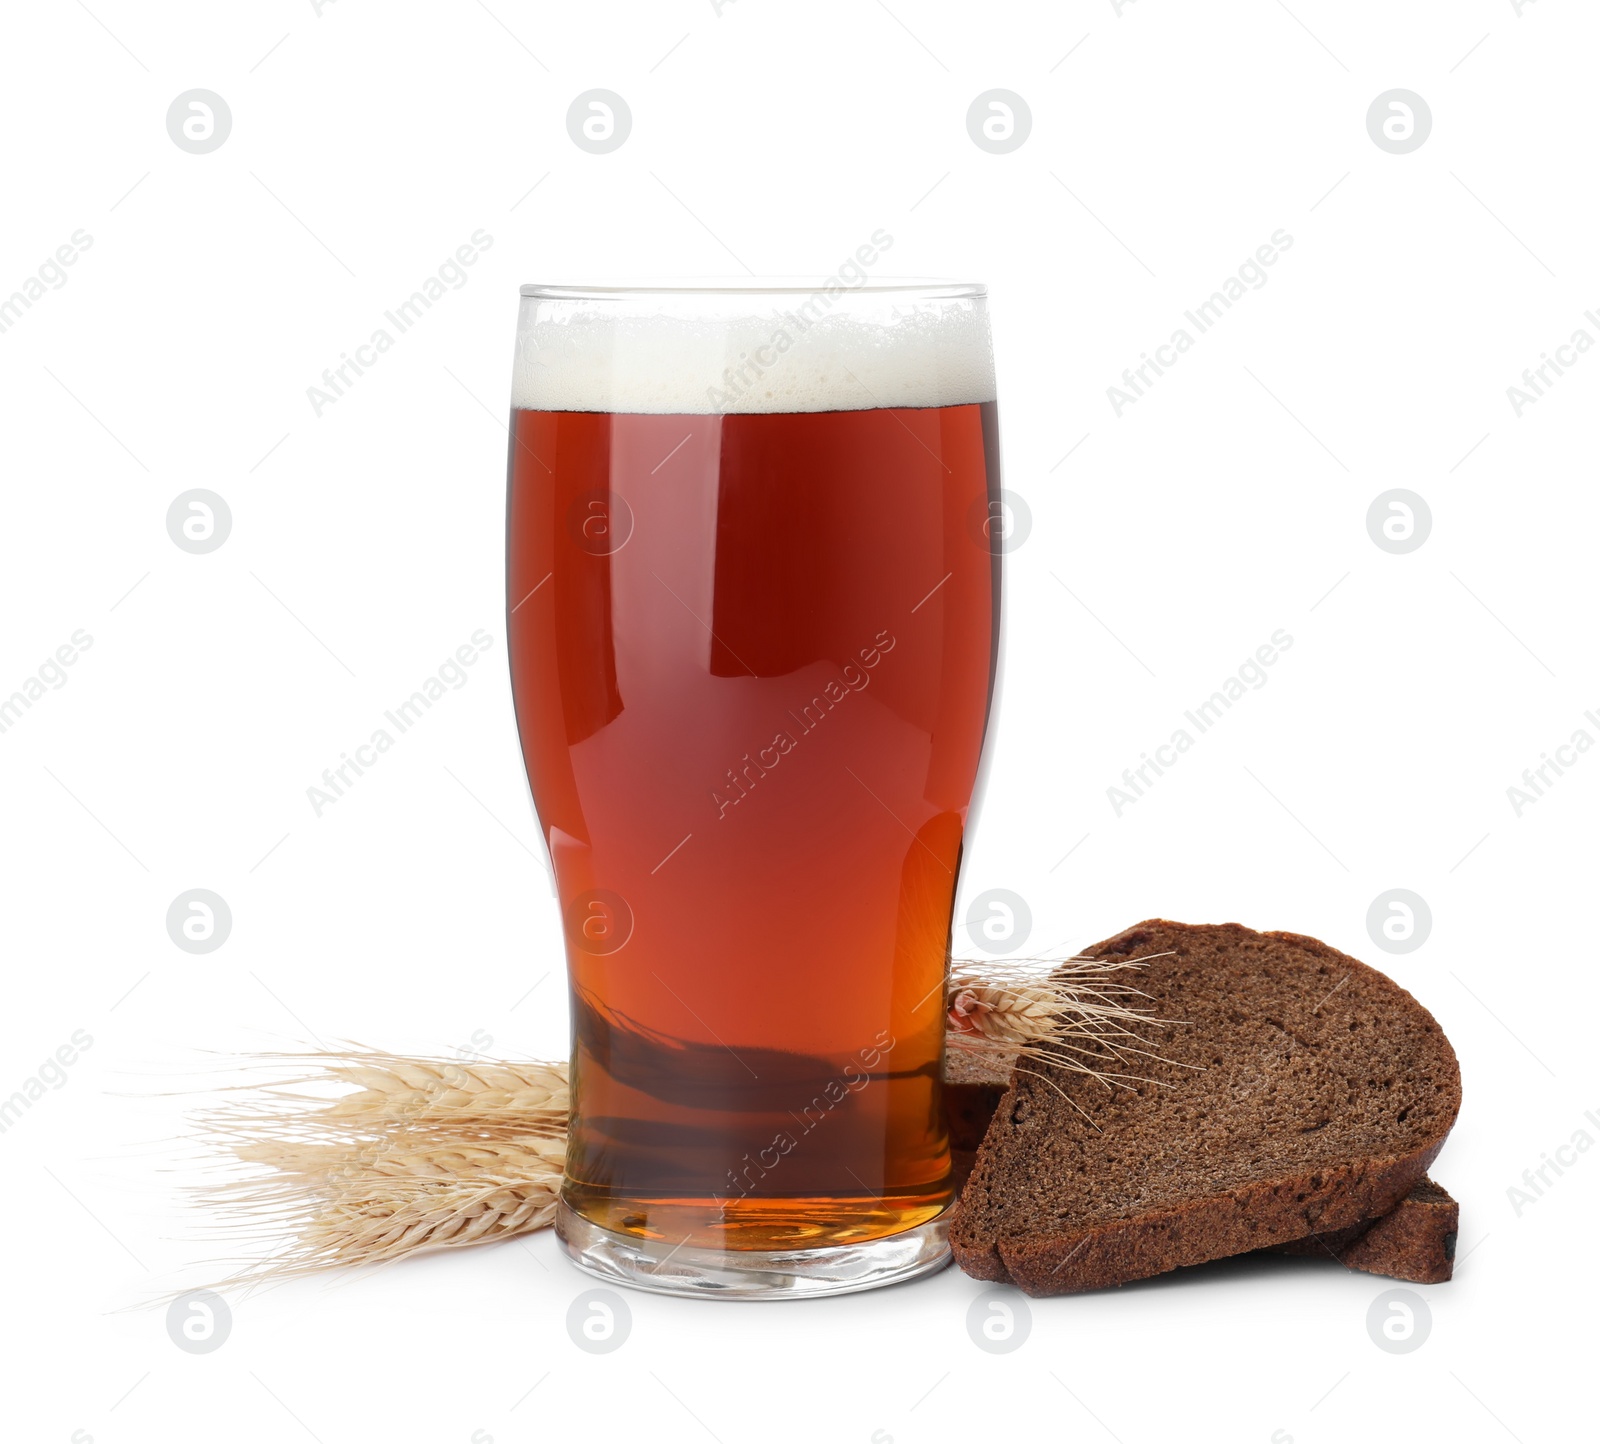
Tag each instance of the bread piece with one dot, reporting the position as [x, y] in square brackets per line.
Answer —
[1298, 1091]
[1414, 1241]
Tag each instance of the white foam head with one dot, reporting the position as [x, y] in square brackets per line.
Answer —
[738, 350]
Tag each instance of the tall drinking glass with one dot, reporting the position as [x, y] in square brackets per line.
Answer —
[753, 618]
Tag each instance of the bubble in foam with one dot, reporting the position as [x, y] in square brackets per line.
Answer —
[721, 352]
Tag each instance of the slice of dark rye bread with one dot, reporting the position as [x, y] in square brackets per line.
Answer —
[1297, 1092]
[1415, 1241]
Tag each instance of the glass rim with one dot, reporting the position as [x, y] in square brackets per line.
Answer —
[932, 288]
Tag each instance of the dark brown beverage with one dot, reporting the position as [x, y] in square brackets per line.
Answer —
[753, 659]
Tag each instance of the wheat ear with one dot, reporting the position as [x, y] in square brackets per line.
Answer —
[1081, 1014]
[421, 1153]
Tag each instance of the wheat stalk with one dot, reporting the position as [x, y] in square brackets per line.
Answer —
[432, 1153]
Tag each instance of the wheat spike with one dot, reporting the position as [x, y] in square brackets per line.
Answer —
[1078, 1014]
[347, 1208]
[419, 1153]
[528, 1096]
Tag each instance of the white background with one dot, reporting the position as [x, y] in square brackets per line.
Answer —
[369, 142]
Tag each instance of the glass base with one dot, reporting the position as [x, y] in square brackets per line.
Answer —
[708, 1273]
